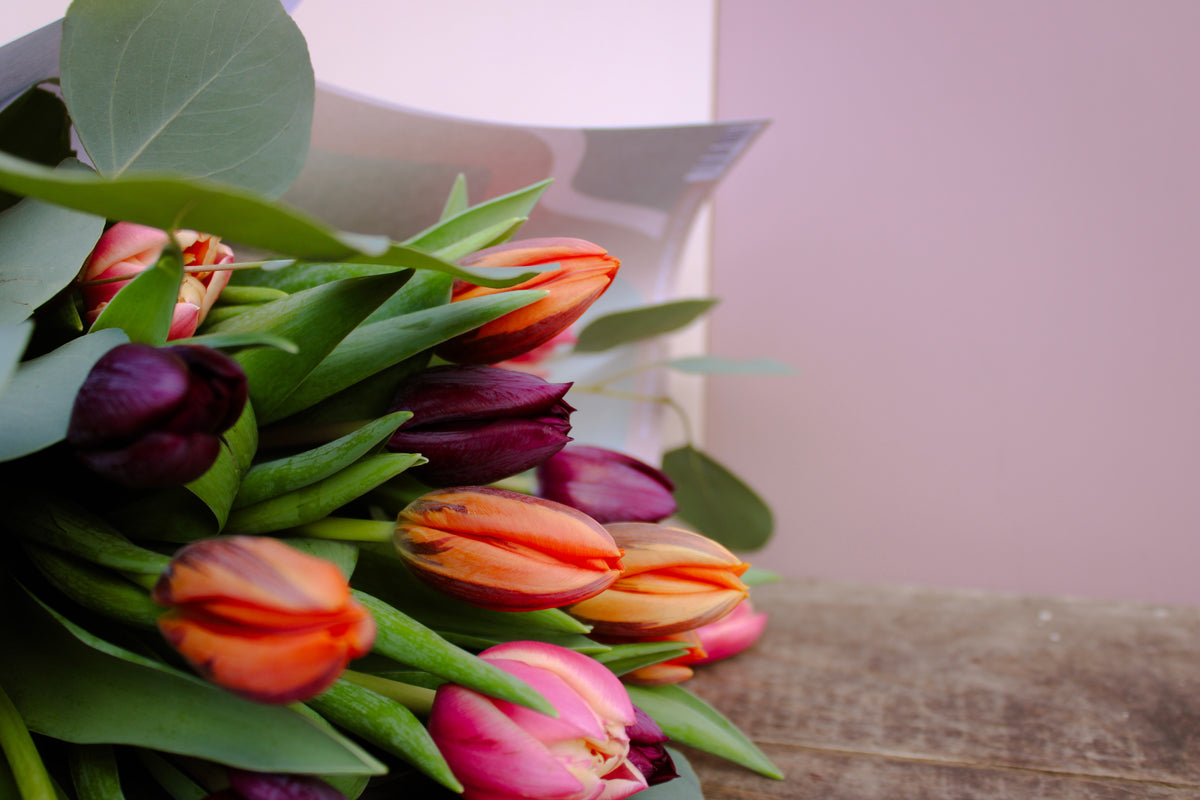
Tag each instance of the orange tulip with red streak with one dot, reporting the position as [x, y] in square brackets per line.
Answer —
[673, 581]
[505, 550]
[584, 273]
[260, 618]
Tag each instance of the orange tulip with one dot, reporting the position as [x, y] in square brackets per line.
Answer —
[673, 581]
[585, 272]
[505, 550]
[260, 618]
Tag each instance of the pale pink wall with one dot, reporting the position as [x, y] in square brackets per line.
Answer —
[974, 230]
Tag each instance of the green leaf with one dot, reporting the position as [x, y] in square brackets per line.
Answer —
[177, 784]
[716, 502]
[319, 317]
[375, 347]
[756, 576]
[387, 724]
[238, 340]
[685, 787]
[623, 658]
[213, 88]
[21, 754]
[689, 720]
[504, 209]
[35, 127]
[319, 499]
[624, 327]
[273, 478]
[44, 248]
[218, 487]
[714, 365]
[342, 554]
[36, 407]
[52, 669]
[94, 772]
[456, 201]
[143, 307]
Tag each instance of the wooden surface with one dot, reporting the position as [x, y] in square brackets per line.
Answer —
[869, 692]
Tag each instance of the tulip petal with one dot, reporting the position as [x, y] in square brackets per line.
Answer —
[730, 635]
[130, 389]
[126, 241]
[591, 679]
[619, 613]
[651, 547]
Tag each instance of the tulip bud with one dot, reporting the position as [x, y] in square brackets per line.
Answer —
[673, 580]
[606, 485]
[585, 272]
[479, 424]
[152, 417]
[728, 636]
[260, 618]
[127, 249]
[498, 749]
[505, 550]
[647, 751]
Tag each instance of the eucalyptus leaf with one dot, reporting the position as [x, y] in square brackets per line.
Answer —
[36, 408]
[716, 502]
[715, 365]
[44, 248]
[689, 720]
[13, 339]
[645, 322]
[144, 307]
[52, 669]
[219, 89]
[35, 126]
[375, 347]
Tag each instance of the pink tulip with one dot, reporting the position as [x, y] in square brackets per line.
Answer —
[502, 751]
[127, 249]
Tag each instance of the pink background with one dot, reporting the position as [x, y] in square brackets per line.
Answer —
[973, 231]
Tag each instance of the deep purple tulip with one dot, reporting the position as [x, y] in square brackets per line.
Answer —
[606, 485]
[151, 417]
[647, 749]
[480, 424]
[246, 785]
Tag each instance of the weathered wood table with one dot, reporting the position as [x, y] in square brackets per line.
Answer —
[888, 693]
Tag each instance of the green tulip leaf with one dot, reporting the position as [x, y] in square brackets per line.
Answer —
[94, 587]
[44, 248]
[250, 295]
[684, 787]
[716, 502]
[177, 784]
[403, 639]
[25, 771]
[715, 365]
[218, 487]
[143, 308]
[13, 339]
[233, 341]
[456, 201]
[319, 499]
[273, 478]
[344, 555]
[319, 317]
[426, 290]
[387, 724]
[36, 407]
[443, 237]
[375, 347]
[757, 576]
[52, 669]
[689, 720]
[94, 772]
[635, 324]
[35, 127]
[219, 89]
[623, 658]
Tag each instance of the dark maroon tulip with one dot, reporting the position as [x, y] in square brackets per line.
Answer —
[150, 417]
[647, 749]
[480, 424]
[246, 785]
[606, 485]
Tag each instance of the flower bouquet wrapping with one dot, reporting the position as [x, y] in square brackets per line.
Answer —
[289, 510]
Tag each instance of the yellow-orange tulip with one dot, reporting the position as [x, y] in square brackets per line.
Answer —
[260, 618]
[585, 272]
[505, 550]
[673, 581]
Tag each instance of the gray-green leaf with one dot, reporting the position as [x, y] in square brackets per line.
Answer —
[716, 502]
[634, 325]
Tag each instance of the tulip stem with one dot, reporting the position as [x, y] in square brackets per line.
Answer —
[342, 529]
[33, 782]
[417, 699]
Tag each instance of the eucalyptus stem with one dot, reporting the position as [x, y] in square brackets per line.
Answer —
[342, 529]
[416, 699]
[602, 390]
[33, 782]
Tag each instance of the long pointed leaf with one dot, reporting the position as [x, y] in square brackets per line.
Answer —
[144, 306]
[633, 325]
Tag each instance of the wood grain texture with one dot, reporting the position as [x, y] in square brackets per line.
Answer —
[891, 692]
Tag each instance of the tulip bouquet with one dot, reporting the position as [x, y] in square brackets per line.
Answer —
[284, 515]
